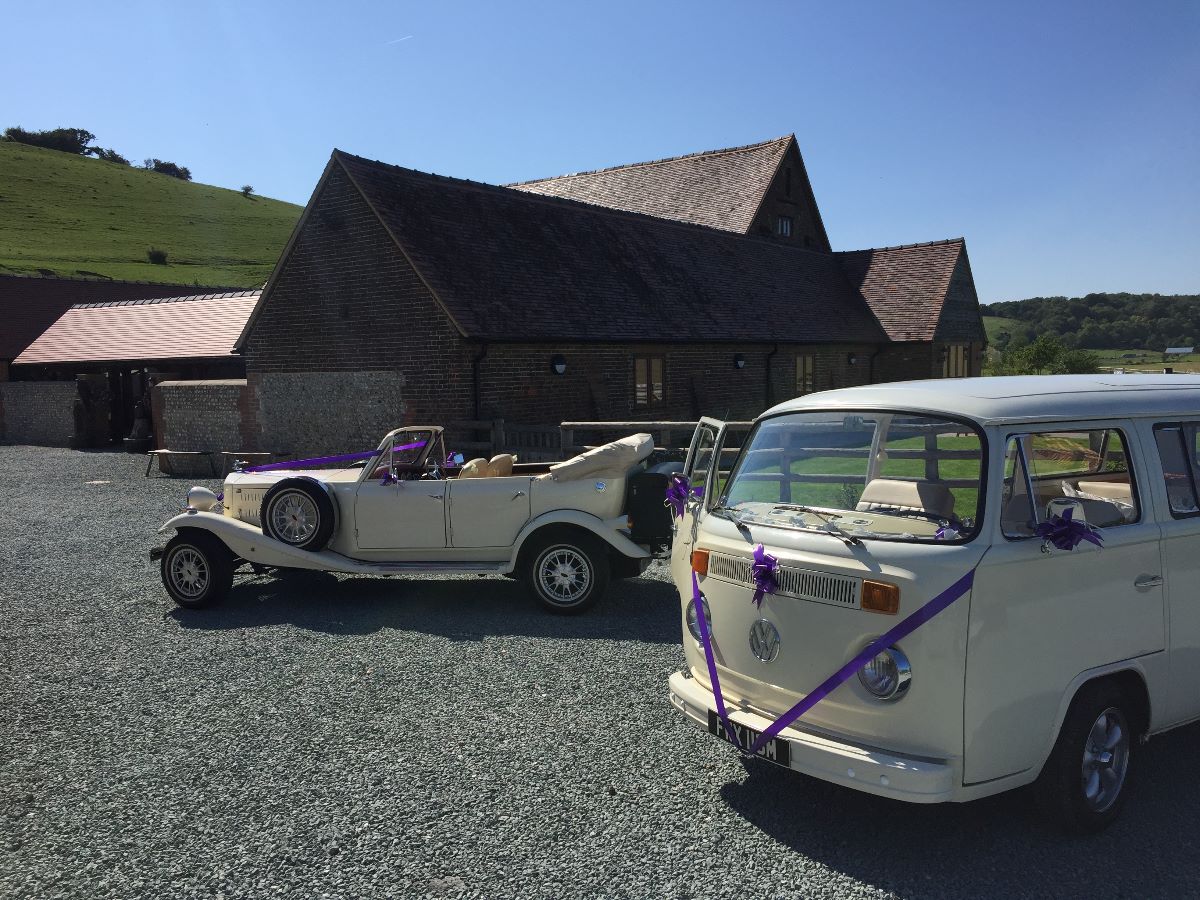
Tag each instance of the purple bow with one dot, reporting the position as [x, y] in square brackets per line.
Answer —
[678, 494]
[763, 573]
[1065, 533]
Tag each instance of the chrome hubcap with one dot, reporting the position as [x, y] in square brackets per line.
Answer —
[189, 572]
[1105, 760]
[564, 575]
[294, 517]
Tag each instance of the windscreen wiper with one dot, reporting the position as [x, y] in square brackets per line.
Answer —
[831, 526]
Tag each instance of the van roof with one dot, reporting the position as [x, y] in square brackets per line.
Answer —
[1020, 398]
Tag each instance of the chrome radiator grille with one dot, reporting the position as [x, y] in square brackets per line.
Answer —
[803, 584]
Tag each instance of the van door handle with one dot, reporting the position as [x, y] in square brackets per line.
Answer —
[518, 495]
[1146, 582]
[436, 496]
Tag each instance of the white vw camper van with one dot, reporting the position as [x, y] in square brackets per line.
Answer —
[1044, 530]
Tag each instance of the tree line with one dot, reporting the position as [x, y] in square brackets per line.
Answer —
[1103, 321]
[81, 142]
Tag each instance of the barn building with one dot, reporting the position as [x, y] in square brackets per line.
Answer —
[703, 284]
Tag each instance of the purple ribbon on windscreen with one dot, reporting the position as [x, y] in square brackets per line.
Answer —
[842, 675]
[327, 460]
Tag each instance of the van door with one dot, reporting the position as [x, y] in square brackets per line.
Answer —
[1041, 615]
[1179, 453]
[697, 469]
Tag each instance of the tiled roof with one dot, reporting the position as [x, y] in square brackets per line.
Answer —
[905, 286]
[510, 266]
[29, 304]
[718, 188]
[202, 326]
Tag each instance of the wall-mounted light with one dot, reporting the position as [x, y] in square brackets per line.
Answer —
[852, 359]
[558, 364]
[739, 361]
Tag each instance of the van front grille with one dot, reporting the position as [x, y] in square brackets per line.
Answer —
[803, 584]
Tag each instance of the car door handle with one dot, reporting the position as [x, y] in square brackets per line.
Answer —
[436, 496]
[1148, 581]
[518, 495]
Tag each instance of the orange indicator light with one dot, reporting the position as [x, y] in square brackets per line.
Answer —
[700, 562]
[881, 597]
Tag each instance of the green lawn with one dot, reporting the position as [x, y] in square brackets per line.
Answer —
[1146, 360]
[72, 215]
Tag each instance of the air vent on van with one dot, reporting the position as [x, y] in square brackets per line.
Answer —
[803, 584]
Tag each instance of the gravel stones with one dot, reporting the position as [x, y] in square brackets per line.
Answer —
[331, 736]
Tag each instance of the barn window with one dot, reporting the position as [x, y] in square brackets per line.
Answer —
[784, 226]
[806, 368]
[957, 361]
[647, 380]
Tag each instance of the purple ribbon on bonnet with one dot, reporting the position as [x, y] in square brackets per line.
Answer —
[326, 460]
[679, 492]
[763, 573]
[1065, 533]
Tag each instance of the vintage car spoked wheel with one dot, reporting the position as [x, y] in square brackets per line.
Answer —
[567, 571]
[1085, 782]
[298, 512]
[197, 570]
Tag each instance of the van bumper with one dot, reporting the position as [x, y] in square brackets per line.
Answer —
[916, 780]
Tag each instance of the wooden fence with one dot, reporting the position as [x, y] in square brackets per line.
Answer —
[541, 443]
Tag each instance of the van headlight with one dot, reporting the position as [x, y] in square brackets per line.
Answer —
[887, 676]
[693, 625]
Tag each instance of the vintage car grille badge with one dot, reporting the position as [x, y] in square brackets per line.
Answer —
[764, 640]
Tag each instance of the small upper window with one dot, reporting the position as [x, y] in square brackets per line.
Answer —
[784, 226]
[647, 380]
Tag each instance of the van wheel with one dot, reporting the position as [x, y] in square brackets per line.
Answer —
[1085, 782]
[567, 571]
[197, 569]
[298, 513]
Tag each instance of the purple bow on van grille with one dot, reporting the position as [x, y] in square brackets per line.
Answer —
[763, 573]
[1067, 534]
[679, 492]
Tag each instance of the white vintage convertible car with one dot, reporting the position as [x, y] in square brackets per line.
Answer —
[565, 528]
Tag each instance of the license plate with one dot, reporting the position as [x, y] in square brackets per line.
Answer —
[775, 750]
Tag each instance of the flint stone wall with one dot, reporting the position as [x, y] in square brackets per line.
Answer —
[318, 413]
[199, 415]
[37, 412]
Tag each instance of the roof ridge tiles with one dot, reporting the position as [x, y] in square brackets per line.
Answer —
[917, 245]
[150, 301]
[655, 162]
[102, 279]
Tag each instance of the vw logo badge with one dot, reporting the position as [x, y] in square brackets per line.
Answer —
[764, 640]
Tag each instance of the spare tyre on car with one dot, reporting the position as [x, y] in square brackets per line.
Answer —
[298, 512]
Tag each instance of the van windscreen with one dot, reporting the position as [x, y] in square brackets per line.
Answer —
[891, 476]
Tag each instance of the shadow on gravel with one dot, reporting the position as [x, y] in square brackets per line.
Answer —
[460, 609]
[997, 846]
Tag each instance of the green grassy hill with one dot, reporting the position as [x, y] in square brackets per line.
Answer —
[71, 215]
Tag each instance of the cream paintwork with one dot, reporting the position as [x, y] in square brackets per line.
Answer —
[425, 525]
[993, 675]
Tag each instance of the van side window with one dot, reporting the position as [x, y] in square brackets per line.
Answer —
[1179, 466]
[1047, 473]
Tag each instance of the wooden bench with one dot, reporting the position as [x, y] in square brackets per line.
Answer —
[167, 462]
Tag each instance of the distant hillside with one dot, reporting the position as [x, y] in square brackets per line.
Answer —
[1100, 321]
[72, 215]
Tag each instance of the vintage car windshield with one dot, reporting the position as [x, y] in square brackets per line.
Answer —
[879, 475]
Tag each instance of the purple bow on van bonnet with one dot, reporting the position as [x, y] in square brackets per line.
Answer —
[763, 573]
[679, 492]
[1065, 533]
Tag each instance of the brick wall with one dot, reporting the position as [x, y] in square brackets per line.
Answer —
[960, 321]
[198, 415]
[37, 412]
[906, 362]
[347, 301]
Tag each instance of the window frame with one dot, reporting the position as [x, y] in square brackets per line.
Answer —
[783, 226]
[650, 401]
[960, 354]
[812, 373]
[1021, 439]
[1190, 458]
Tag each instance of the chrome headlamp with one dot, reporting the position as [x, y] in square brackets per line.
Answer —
[887, 676]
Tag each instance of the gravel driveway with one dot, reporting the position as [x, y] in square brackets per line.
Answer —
[349, 736]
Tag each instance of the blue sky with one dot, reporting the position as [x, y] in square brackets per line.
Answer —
[1061, 139]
